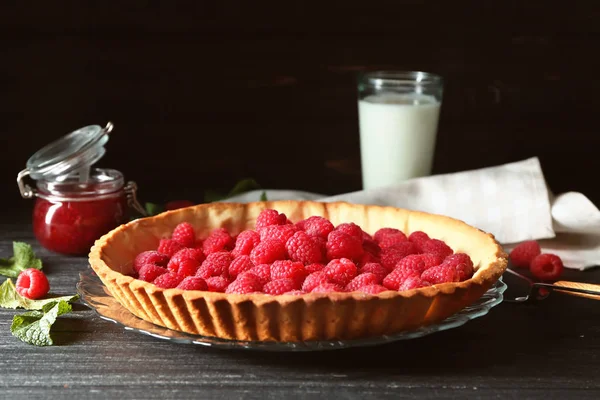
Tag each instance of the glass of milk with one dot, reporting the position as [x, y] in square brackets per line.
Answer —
[398, 117]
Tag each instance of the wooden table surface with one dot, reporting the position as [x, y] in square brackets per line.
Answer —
[548, 350]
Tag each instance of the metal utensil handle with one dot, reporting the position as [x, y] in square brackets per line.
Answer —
[581, 289]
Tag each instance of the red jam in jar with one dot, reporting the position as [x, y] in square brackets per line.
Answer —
[69, 216]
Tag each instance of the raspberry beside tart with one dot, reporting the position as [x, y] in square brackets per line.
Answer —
[364, 280]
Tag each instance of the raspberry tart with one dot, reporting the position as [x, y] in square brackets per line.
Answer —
[290, 271]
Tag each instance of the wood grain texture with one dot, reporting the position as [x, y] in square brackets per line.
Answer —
[544, 351]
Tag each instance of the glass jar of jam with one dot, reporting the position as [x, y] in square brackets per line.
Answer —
[75, 203]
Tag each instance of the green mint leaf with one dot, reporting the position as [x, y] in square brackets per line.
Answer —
[263, 196]
[10, 298]
[211, 196]
[153, 209]
[33, 327]
[23, 258]
[243, 186]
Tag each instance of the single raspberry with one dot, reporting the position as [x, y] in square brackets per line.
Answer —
[150, 257]
[392, 239]
[280, 232]
[413, 262]
[269, 217]
[431, 260]
[217, 284]
[32, 284]
[383, 232]
[372, 289]
[295, 292]
[418, 238]
[351, 229]
[169, 247]
[301, 225]
[187, 267]
[185, 254]
[341, 271]
[341, 245]
[310, 268]
[247, 283]
[547, 267]
[413, 282]
[327, 288]
[268, 251]
[397, 277]
[168, 280]
[367, 258]
[177, 204]
[280, 286]
[391, 255]
[288, 269]
[462, 263]
[361, 280]
[524, 253]
[303, 248]
[238, 265]
[318, 226]
[375, 268]
[245, 242]
[313, 280]
[218, 240]
[193, 283]
[435, 246]
[149, 272]
[262, 271]
[440, 274]
[184, 233]
[215, 264]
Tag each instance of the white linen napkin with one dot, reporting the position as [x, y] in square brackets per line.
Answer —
[511, 201]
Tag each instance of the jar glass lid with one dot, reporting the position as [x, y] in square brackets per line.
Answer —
[76, 151]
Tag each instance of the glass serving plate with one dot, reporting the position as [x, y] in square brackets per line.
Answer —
[95, 295]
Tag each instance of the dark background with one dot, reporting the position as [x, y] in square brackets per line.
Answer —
[205, 93]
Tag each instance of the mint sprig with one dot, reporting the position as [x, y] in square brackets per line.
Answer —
[23, 258]
[33, 327]
[10, 298]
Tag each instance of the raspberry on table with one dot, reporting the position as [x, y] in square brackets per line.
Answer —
[391, 255]
[413, 282]
[383, 232]
[351, 229]
[413, 262]
[168, 280]
[372, 289]
[310, 268]
[397, 277]
[281, 232]
[375, 268]
[317, 226]
[282, 269]
[361, 280]
[238, 265]
[269, 217]
[440, 274]
[313, 280]
[280, 286]
[169, 247]
[218, 240]
[246, 283]
[524, 253]
[215, 264]
[149, 272]
[341, 271]
[418, 238]
[217, 284]
[303, 248]
[32, 284]
[262, 271]
[547, 267]
[192, 283]
[184, 254]
[341, 245]
[268, 251]
[150, 257]
[327, 288]
[436, 246]
[184, 233]
[245, 242]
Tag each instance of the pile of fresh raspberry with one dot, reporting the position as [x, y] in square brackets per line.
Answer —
[544, 266]
[309, 256]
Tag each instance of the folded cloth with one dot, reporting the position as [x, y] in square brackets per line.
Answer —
[511, 201]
